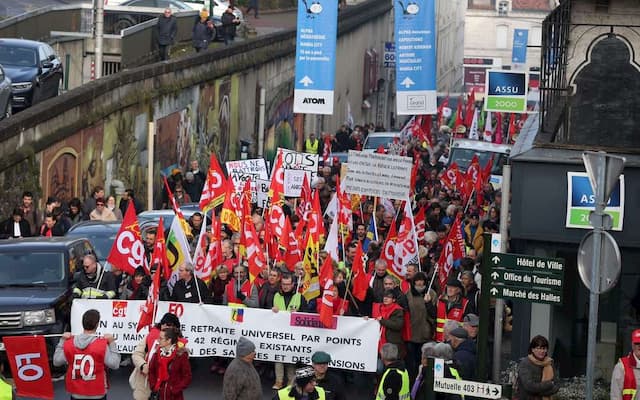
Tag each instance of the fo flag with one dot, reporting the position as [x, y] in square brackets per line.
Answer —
[29, 366]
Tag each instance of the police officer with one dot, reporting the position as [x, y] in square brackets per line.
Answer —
[394, 384]
[88, 357]
[331, 382]
[304, 386]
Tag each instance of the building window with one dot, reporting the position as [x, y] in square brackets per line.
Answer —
[481, 3]
[503, 8]
[535, 36]
[502, 34]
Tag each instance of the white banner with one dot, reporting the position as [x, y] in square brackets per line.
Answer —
[293, 160]
[241, 170]
[293, 181]
[283, 337]
[262, 191]
[380, 175]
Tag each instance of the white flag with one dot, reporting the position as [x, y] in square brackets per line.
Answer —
[473, 129]
[488, 128]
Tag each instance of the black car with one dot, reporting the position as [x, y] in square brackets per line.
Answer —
[36, 278]
[101, 234]
[34, 69]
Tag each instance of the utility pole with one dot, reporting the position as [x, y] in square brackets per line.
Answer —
[98, 8]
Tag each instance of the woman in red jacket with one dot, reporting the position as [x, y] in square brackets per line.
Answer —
[169, 370]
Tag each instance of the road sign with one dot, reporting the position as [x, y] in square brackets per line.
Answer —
[315, 58]
[415, 33]
[581, 201]
[610, 262]
[389, 55]
[527, 262]
[467, 388]
[506, 91]
[529, 278]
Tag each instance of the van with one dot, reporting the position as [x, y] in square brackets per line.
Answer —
[377, 139]
[463, 150]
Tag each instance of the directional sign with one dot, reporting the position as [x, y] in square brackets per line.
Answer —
[389, 55]
[467, 388]
[315, 57]
[581, 201]
[506, 91]
[529, 278]
[415, 34]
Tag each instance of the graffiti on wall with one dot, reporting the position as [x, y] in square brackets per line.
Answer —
[284, 129]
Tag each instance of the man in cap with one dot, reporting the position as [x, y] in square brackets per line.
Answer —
[464, 353]
[451, 306]
[304, 387]
[394, 383]
[626, 374]
[332, 384]
[241, 380]
[470, 324]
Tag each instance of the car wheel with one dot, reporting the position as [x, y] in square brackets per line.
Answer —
[122, 23]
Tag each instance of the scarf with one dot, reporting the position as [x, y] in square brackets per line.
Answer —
[384, 311]
[547, 369]
[165, 356]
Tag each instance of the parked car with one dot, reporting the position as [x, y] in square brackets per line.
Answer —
[377, 139]
[5, 95]
[35, 71]
[219, 7]
[36, 280]
[101, 234]
[463, 150]
[151, 217]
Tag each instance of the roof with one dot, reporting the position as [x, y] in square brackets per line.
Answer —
[538, 5]
[20, 42]
[37, 243]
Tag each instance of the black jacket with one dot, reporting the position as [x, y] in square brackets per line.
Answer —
[167, 28]
[188, 293]
[7, 229]
[333, 386]
[228, 25]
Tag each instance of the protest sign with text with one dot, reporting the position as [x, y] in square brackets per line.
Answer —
[240, 171]
[296, 161]
[380, 175]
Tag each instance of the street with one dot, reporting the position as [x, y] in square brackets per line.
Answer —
[205, 385]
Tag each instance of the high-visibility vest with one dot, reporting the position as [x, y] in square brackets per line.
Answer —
[294, 304]
[456, 375]
[405, 389]
[311, 147]
[6, 390]
[456, 313]
[86, 374]
[283, 394]
[629, 384]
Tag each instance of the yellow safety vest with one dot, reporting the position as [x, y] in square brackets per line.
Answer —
[405, 390]
[311, 147]
[6, 390]
[456, 375]
[294, 304]
[283, 394]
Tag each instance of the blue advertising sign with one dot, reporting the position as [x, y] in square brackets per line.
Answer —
[315, 57]
[519, 50]
[506, 91]
[581, 201]
[389, 55]
[415, 57]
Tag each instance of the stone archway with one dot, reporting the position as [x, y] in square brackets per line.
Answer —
[605, 106]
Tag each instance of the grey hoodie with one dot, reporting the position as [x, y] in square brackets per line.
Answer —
[82, 341]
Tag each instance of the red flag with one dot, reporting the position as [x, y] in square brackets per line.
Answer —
[453, 250]
[360, 281]
[305, 200]
[213, 189]
[469, 111]
[255, 256]
[512, 127]
[473, 171]
[450, 176]
[292, 251]
[214, 252]
[127, 251]
[148, 311]
[497, 138]
[276, 188]
[444, 104]
[159, 255]
[326, 282]
[29, 366]
[326, 148]
[229, 213]
[421, 224]
[459, 121]
[345, 218]
[200, 255]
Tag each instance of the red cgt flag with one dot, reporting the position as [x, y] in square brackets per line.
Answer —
[127, 252]
[214, 189]
[29, 366]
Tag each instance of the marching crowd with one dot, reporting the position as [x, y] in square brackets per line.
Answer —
[428, 312]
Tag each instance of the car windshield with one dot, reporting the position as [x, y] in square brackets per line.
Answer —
[373, 142]
[18, 56]
[32, 268]
[463, 158]
[101, 241]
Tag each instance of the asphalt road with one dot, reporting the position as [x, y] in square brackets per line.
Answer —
[206, 385]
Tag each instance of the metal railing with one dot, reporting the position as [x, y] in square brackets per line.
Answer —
[553, 70]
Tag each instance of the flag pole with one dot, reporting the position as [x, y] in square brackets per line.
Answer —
[415, 238]
[375, 223]
[469, 201]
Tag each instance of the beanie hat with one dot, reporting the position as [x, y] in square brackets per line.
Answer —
[244, 347]
[304, 375]
[170, 319]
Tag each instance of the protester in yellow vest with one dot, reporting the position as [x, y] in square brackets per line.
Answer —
[304, 386]
[6, 389]
[312, 144]
[394, 384]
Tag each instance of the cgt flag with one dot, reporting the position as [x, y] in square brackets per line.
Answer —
[29, 366]
[127, 251]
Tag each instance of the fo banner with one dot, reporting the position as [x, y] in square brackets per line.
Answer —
[315, 57]
[214, 331]
[29, 366]
[415, 57]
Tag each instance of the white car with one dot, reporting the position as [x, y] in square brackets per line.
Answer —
[219, 7]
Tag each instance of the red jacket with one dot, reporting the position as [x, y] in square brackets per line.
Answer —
[179, 376]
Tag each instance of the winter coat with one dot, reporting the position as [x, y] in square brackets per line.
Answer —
[241, 381]
[202, 34]
[530, 385]
[167, 28]
[179, 375]
[420, 314]
[464, 358]
[138, 381]
[228, 25]
[188, 293]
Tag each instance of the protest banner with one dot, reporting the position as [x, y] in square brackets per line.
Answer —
[292, 161]
[262, 192]
[240, 171]
[214, 330]
[379, 175]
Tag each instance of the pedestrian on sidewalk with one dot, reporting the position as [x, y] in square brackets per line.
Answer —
[229, 24]
[166, 30]
[203, 31]
[537, 378]
[253, 5]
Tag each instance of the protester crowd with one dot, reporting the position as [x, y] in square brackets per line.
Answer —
[431, 311]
